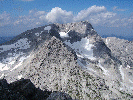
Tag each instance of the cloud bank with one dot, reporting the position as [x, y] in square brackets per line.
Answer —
[96, 15]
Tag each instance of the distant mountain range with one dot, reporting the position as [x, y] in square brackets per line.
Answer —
[129, 38]
[5, 39]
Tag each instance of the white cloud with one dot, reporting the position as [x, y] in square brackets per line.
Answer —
[97, 15]
[36, 13]
[40, 13]
[34, 19]
[59, 15]
[115, 9]
[106, 15]
[84, 14]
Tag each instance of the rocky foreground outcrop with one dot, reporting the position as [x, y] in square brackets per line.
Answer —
[24, 89]
[70, 58]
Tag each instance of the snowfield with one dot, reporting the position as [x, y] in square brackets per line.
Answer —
[20, 44]
[121, 72]
[20, 76]
[83, 48]
[47, 28]
[105, 72]
[37, 34]
[3, 67]
[63, 34]
[11, 62]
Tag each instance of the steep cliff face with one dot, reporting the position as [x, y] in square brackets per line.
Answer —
[70, 58]
[123, 50]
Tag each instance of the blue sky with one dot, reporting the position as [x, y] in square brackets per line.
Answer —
[106, 16]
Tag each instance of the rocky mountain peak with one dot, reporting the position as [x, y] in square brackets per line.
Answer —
[70, 58]
[81, 28]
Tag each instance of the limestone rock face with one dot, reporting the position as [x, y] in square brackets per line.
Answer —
[69, 58]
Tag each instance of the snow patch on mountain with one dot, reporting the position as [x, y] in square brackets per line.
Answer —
[7, 63]
[1, 75]
[3, 67]
[128, 66]
[82, 47]
[20, 62]
[6, 66]
[16, 54]
[63, 34]
[7, 60]
[105, 72]
[10, 63]
[80, 56]
[11, 59]
[130, 81]
[107, 40]
[37, 34]
[20, 44]
[121, 72]
[20, 76]
[47, 28]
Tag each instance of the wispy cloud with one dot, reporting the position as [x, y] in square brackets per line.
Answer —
[27, 0]
[115, 8]
[5, 19]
